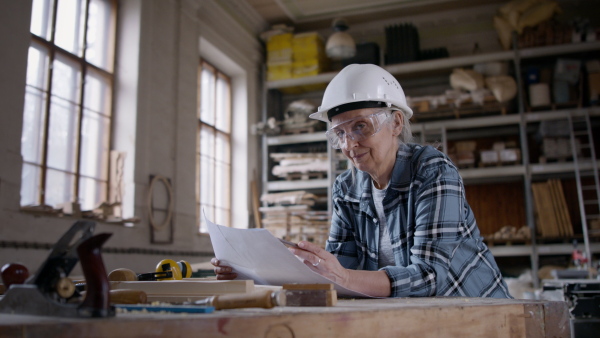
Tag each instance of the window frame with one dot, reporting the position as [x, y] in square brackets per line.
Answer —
[85, 67]
[215, 131]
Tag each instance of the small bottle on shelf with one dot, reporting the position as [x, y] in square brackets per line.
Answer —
[578, 258]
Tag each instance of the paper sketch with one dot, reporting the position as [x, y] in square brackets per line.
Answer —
[256, 254]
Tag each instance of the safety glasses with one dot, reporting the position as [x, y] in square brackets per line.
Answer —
[357, 129]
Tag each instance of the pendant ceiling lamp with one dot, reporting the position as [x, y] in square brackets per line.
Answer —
[340, 44]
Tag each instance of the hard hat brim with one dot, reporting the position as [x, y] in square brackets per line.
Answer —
[322, 115]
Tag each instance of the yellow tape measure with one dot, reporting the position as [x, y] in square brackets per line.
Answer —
[181, 269]
[186, 269]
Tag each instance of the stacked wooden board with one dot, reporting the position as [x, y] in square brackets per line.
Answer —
[290, 215]
[296, 223]
[553, 218]
[300, 166]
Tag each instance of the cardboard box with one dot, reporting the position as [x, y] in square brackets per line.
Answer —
[510, 155]
[308, 46]
[280, 41]
[559, 147]
[465, 146]
[489, 156]
[279, 71]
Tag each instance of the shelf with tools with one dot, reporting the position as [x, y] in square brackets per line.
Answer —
[296, 175]
[541, 249]
[448, 63]
[432, 132]
[499, 191]
[282, 140]
[468, 174]
[296, 146]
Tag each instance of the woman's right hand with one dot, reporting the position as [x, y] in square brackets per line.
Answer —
[223, 272]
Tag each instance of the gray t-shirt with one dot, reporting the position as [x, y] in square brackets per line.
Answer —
[386, 253]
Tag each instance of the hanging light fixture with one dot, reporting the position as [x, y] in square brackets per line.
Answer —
[340, 44]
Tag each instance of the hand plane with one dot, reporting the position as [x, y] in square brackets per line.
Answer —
[46, 292]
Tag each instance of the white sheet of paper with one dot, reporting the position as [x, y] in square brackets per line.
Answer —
[256, 254]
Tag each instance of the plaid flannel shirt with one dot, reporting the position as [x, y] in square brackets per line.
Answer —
[437, 247]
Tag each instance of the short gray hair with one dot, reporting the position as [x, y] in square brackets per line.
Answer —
[406, 133]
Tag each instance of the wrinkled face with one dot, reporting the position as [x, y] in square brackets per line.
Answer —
[368, 137]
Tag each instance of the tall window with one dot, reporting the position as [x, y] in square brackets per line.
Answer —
[67, 116]
[214, 146]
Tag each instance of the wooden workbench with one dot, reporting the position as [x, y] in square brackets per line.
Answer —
[406, 317]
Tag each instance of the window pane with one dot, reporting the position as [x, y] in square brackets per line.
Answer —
[223, 105]
[94, 145]
[91, 193]
[59, 187]
[30, 184]
[70, 20]
[37, 67]
[207, 142]
[223, 148]
[66, 79]
[207, 176]
[99, 36]
[41, 18]
[222, 172]
[32, 139]
[222, 185]
[206, 167]
[97, 94]
[207, 97]
[62, 136]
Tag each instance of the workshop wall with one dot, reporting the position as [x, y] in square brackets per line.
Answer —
[155, 125]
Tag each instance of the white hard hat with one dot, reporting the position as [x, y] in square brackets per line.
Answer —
[361, 86]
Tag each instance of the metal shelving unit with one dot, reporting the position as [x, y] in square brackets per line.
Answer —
[542, 250]
[448, 63]
[296, 139]
[273, 186]
[525, 171]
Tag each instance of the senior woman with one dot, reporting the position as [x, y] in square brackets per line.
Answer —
[401, 225]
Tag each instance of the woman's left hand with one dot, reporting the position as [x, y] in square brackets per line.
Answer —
[321, 261]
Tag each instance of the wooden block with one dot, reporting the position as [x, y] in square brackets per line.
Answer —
[294, 286]
[423, 106]
[551, 225]
[568, 225]
[125, 296]
[186, 288]
[542, 222]
[317, 297]
[550, 205]
[558, 201]
[554, 199]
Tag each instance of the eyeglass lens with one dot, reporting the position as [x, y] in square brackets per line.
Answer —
[356, 129]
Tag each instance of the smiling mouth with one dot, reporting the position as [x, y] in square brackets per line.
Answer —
[358, 156]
